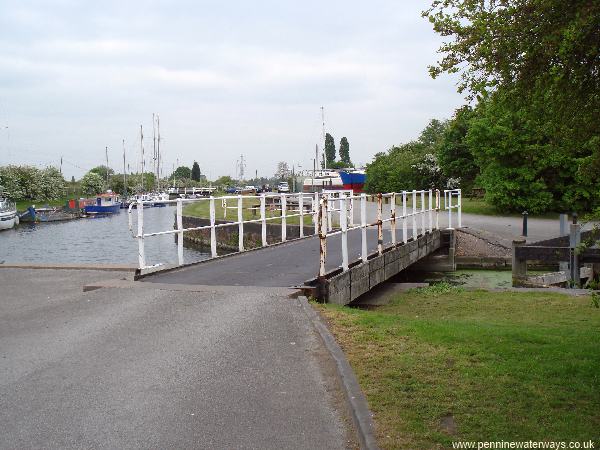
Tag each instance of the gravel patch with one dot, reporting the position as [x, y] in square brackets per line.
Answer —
[470, 243]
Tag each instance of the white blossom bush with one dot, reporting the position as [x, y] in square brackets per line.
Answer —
[429, 171]
[92, 183]
[30, 183]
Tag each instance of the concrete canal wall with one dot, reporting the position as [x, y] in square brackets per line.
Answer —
[227, 237]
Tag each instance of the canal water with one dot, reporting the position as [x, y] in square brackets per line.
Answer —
[102, 240]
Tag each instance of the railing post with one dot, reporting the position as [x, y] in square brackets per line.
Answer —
[322, 235]
[283, 218]
[263, 220]
[240, 214]
[574, 241]
[414, 215]
[363, 225]
[393, 217]
[213, 231]
[459, 208]
[301, 208]
[351, 213]
[315, 209]
[404, 219]
[430, 212]
[423, 212]
[330, 207]
[141, 252]
[180, 233]
[437, 209]
[379, 224]
[224, 206]
[448, 198]
[344, 226]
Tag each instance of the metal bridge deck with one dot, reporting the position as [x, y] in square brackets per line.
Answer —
[284, 265]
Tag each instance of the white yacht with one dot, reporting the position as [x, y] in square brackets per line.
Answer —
[8, 214]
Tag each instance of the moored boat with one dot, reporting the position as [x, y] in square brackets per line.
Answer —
[108, 203]
[8, 214]
[353, 179]
[322, 179]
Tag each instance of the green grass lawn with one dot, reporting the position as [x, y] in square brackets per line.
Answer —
[441, 364]
[202, 209]
[24, 204]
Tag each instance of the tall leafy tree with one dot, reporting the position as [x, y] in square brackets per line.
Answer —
[455, 156]
[103, 171]
[433, 133]
[92, 183]
[183, 172]
[534, 67]
[395, 170]
[329, 149]
[345, 151]
[195, 172]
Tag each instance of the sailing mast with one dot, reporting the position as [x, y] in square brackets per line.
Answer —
[154, 143]
[124, 172]
[106, 149]
[142, 150]
[158, 154]
[323, 120]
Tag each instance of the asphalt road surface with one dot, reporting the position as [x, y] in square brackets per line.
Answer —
[149, 368]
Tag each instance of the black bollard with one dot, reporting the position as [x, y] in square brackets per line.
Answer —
[525, 223]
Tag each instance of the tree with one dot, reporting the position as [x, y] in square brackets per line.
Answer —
[329, 149]
[195, 172]
[534, 66]
[102, 171]
[455, 157]
[345, 152]
[283, 171]
[183, 172]
[92, 183]
[504, 43]
[224, 181]
[50, 184]
[393, 171]
[10, 183]
[433, 133]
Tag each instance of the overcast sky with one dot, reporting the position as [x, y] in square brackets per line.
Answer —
[227, 78]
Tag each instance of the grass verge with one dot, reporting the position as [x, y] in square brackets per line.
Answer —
[250, 211]
[440, 365]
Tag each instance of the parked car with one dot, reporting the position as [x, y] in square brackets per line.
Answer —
[283, 187]
[230, 190]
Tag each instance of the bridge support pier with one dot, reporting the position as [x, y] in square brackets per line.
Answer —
[443, 260]
[519, 265]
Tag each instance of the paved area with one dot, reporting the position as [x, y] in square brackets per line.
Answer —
[289, 264]
[498, 227]
[155, 368]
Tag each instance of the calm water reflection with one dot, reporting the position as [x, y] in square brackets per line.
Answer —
[105, 240]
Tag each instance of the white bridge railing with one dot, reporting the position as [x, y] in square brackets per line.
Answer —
[419, 209]
[272, 206]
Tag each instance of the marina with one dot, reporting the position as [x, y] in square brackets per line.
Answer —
[101, 239]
